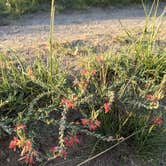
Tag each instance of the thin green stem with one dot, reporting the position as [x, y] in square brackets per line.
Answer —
[51, 39]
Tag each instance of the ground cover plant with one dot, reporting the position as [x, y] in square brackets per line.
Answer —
[112, 97]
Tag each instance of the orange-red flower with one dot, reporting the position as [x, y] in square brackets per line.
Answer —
[106, 107]
[54, 149]
[158, 121]
[30, 157]
[14, 143]
[67, 103]
[27, 147]
[92, 124]
[151, 98]
[84, 72]
[63, 153]
[71, 140]
[59, 152]
[30, 72]
[88, 73]
[92, 72]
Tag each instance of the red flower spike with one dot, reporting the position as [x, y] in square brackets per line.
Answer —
[77, 139]
[92, 72]
[92, 124]
[64, 153]
[70, 141]
[88, 73]
[68, 103]
[106, 107]
[53, 149]
[97, 123]
[84, 72]
[29, 157]
[27, 147]
[151, 98]
[158, 121]
[84, 121]
[13, 143]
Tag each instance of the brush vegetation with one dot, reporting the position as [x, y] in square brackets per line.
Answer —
[109, 96]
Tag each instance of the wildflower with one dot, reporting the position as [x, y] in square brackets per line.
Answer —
[54, 149]
[92, 72]
[30, 157]
[58, 152]
[106, 107]
[22, 142]
[92, 124]
[27, 147]
[154, 101]
[158, 121]
[84, 121]
[88, 73]
[70, 141]
[84, 72]
[68, 103]
[63, 153]
[30, 72]
[13, 144]
[151, 98]
[20, 126]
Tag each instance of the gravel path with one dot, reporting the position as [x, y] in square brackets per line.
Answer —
[33, 30]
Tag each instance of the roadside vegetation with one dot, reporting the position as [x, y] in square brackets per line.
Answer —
[111, 97]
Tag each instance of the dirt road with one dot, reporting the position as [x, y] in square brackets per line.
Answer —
[92, 24]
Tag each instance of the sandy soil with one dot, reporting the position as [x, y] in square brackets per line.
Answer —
[93, 24]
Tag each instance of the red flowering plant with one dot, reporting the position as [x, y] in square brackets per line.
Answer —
[68, 103]
[153, 101]
[158, 121]
[71, 140]
[28, 154]
[110, 96]
[58, 152]
[92, 124]
[82, 82]
[108, 102]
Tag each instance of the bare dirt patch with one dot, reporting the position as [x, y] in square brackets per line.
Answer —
[94, 24]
